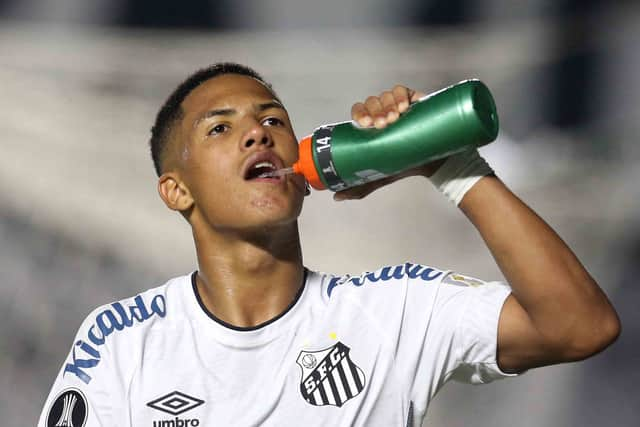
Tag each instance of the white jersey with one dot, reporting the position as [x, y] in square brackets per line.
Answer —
[368, 350]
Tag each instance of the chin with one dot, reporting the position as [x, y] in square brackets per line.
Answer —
[270, 217]
[278, 217]
[277, 206]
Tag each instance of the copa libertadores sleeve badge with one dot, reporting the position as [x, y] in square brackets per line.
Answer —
[69, 409]
[329, 376]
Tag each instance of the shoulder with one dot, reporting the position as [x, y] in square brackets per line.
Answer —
[121, 326]
[142, 310]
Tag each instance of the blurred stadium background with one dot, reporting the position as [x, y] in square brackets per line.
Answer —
[81, 224]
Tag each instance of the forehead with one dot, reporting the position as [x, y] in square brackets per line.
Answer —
[229, 91]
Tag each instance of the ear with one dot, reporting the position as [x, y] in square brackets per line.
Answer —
[174, 192]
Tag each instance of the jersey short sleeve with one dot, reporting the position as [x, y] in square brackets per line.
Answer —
[93, 383]
[81, 393]
[449, 331]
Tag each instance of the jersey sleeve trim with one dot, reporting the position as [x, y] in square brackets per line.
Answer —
[478, 332]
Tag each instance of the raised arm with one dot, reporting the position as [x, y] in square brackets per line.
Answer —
[556, 312]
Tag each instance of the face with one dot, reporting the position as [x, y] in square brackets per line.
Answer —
[234, 128]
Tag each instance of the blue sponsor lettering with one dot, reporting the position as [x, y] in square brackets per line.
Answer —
[116, 318]
[398, 272]
[413, 271]
[356, 281]
[125, 321]
[158, 305]
[425, 273]
[107, 322]
[96, 339]
[335, 281]
[79, 364]
[139, 310]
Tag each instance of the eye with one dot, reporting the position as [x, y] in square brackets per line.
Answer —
[273, 121]
[218, 129]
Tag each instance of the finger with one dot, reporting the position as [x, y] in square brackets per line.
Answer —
[416, 95]
[363, 190]
[402, 98]
[354, 193]
[390, 107]
[360, 114]
[375, 109]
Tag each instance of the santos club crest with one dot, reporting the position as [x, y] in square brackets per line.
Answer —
[329, 376]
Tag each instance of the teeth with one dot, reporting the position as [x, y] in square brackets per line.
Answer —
[264, 165]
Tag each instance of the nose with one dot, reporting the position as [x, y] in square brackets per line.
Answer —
[257, 135]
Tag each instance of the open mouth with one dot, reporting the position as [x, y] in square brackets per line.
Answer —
[259, 169]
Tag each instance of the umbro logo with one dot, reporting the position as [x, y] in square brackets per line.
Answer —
[175, 403]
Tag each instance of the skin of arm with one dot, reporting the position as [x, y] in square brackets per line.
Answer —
[557, 312]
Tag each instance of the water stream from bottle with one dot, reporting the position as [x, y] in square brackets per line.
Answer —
[276, 173]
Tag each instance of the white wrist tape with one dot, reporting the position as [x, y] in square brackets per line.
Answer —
[459, 173]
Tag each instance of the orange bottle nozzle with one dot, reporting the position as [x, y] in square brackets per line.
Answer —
[305, 164]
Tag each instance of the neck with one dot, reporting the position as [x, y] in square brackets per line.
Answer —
[249, 279]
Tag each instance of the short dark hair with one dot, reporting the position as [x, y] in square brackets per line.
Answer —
[171, 111]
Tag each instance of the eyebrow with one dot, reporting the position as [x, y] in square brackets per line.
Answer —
[231, 111]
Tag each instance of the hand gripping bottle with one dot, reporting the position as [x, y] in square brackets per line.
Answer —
[340, 155]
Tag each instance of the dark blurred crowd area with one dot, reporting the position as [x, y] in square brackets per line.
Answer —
[573, 23]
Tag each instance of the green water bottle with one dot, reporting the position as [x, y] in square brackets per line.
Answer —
[340, 155]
